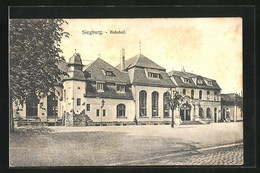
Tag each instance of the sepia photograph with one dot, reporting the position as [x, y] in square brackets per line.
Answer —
[126, 92]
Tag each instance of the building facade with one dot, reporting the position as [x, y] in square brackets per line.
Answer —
[231, 107]
[133, 92]
[204, 93]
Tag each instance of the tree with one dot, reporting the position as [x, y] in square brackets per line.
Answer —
[174, 99]
[34, 54]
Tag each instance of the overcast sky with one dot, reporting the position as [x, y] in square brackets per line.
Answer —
[211, 47]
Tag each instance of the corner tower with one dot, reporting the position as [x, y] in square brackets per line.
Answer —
[74, 86]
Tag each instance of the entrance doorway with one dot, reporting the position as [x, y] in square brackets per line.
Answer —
[185, 112]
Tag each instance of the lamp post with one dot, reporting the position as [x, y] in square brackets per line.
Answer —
[101, 113]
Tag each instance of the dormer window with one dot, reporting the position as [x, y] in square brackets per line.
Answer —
[100, 87]
[120, 88]
[209, 82]
[186, 80]
[154, 75]
[200, 81]
[109, 73]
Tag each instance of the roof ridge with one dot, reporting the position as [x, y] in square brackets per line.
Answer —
[90, 64]
[197, 75]
[138, 56]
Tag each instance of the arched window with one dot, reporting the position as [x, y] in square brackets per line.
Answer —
[166, 105]
[120, 110]
[208, 95]
[201, 112]
[192, 94]
[184, 91]
[215, 95]
[200, 94]
[208, 113]
[142, 103]
[155, 105]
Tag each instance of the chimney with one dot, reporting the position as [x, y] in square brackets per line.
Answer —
[183, 69]
[122, 59]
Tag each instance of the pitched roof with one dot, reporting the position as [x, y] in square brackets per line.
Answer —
[140, 61]
[178, 75]
[95, 72]
[139, 77]
[230, 99]
[182, 74]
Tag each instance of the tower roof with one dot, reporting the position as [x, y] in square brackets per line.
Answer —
[75, 60]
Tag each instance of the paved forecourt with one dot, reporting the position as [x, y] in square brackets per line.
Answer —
[127, 145]
[202, 135]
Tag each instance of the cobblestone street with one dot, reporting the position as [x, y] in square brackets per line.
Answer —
[222, 156]
[227, 156]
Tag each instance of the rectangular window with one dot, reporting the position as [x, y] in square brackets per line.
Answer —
[154, 75]
[100, 87]
[97, 112]
[88, 107]
[78, 102]
[104, 112]
[120, 88]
